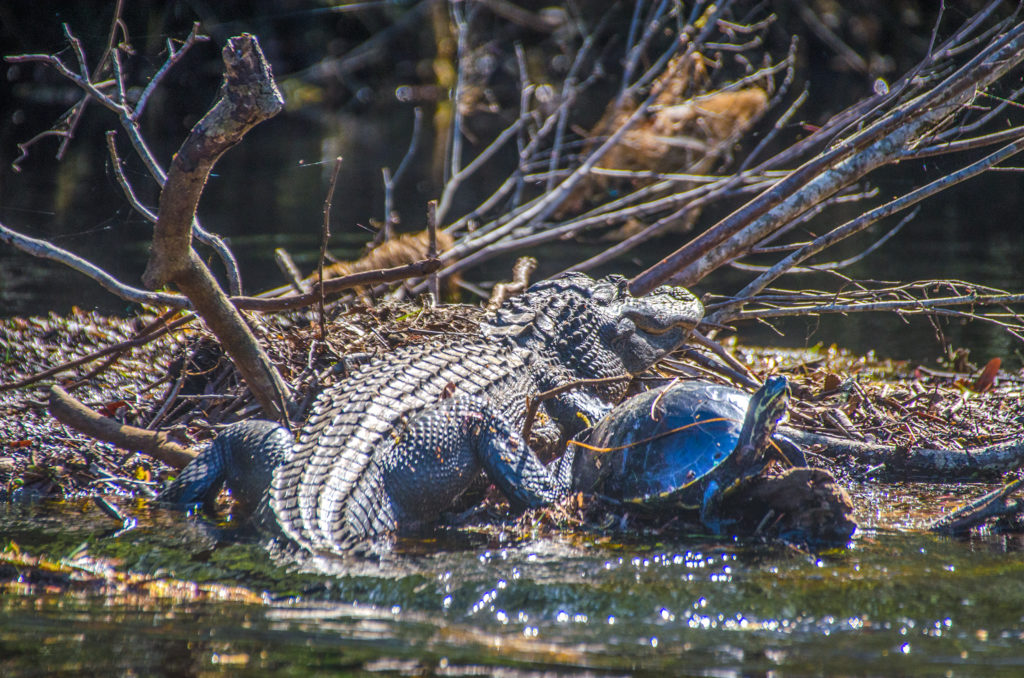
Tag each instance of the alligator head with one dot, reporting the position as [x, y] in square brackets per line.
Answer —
[647, 328]
[591, 324]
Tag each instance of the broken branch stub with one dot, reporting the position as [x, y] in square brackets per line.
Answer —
[249, 96]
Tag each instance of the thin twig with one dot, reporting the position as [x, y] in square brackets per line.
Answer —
[533, 402]
[454, 165]
[74, 115]
[173, 57]
[335, 285]
[390, 181]
[435, 282]
[453, 184]
[325, 235]
[122, 180]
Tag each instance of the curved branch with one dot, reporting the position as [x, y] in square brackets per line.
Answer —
[249, 96]
[45, 250]
[73, 413]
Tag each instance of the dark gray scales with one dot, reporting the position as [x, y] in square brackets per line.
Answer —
[402, 438]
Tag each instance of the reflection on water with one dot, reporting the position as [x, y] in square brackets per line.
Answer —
[908, 603]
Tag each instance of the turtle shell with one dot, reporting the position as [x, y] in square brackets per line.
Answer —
[661, 446]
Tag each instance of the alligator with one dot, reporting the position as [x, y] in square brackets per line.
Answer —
[403, 437]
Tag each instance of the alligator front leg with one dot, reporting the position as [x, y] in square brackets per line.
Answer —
[437, 457]
[420, 474]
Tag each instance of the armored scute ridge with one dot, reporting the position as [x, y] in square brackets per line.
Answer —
[392, 446]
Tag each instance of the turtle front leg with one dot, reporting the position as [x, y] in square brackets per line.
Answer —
[711, 508]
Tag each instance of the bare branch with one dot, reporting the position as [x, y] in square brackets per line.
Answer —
[918, 462]
[390, 181]
[831, 266]
[173, 57]
[452, 185]
[847, 162]
[152, 443]
[45, 250]
[291, 272]
[973, 514]
[250, 96]
[325, 235]
[122, 180]
[938, 306]
[335, 285]
[871, 217]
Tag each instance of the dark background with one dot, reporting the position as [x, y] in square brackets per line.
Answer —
[352, 79]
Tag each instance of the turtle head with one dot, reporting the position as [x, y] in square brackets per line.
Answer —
[767, 406]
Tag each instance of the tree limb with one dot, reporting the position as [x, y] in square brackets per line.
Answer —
[155, 444]
[918, 463]
[973, 514]
[249, 97]
[45, 250]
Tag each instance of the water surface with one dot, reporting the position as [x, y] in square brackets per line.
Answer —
[901, 602]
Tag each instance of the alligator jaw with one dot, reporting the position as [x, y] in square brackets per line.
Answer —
[664, 309]
[653, 326]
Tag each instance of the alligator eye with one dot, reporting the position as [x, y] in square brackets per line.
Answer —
[646, 323]
[605, 294]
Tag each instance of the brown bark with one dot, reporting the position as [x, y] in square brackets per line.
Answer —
[249, 96]
[73, 413]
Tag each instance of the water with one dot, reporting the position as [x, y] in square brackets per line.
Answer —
[907, 603]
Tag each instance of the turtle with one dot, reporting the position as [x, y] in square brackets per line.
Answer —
[684, 446]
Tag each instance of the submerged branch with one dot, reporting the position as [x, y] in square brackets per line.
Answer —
[974, 514]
